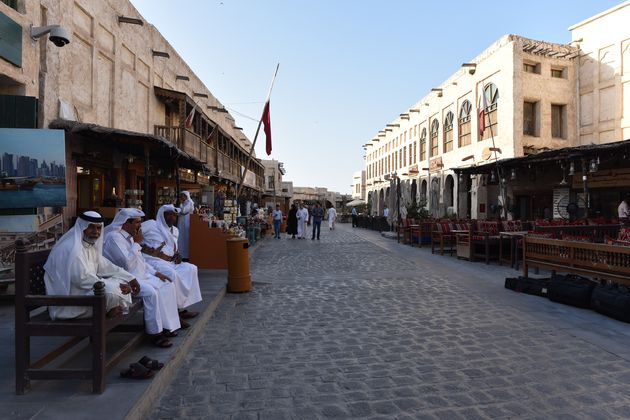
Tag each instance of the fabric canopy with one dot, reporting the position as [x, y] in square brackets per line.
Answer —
[356, 202]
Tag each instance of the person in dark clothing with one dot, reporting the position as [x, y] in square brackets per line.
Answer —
[318, 215]
[292, 221]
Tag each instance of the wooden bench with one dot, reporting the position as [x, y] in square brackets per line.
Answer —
[600, 261]
[596, 233]
[32, 321]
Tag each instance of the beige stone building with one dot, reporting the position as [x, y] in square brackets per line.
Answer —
[358, 185]
[604, 75]
[529, 104]
[539, 96]
[122, 94]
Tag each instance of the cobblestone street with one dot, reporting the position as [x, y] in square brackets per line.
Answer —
[356, 325]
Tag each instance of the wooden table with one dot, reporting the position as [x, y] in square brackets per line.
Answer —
[513, 236]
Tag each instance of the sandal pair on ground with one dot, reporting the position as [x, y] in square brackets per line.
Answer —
[143, 369]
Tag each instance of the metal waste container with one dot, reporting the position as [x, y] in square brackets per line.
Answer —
[239, 278]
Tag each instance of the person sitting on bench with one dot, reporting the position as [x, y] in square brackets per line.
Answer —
[160, 251]
[158, 292]
[76, 262]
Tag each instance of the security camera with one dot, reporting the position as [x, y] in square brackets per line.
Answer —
[471, 71]
[59, 35]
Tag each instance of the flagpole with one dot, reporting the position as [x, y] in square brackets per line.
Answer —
[494, 149]
[251, 150]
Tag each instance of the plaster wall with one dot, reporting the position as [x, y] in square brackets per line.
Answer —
[604, 75]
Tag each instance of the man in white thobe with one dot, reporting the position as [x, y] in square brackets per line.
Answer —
[76, 263]
[157, 291]
[160, 251]
[186, 208]
[302, 216]
[332, 215]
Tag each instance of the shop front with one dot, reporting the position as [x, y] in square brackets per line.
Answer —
[584, 182]
[110, 168]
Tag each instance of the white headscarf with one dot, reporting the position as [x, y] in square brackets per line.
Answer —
[187, 194]
[161, 225]
[121, 217]
[66, 251]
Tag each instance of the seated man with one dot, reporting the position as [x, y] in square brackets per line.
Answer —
[157, 291]
[160, 251]
[76, 262]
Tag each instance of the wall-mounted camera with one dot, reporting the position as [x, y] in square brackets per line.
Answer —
[58, 35]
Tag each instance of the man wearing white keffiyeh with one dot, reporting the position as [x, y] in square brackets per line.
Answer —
[157, 291]
[76, 262]
[160, 250]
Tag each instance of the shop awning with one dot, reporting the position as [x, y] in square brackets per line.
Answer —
[605, 152]
[130, 138]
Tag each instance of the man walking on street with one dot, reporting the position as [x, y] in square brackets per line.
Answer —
[354, 217]
[277, 221]
[318, 215]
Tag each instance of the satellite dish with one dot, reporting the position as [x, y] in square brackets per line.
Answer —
[486, 153]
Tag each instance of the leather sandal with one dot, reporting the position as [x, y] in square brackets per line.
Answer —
[161, 341]
[151, 364]
[185, 314]
[136, 371]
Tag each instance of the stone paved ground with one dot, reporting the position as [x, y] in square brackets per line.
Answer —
[357, 326]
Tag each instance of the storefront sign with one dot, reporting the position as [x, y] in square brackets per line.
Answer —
[613, 178]
[435, 164]
[250, 179]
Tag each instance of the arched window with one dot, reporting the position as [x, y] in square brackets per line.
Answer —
[490, 101]
[448, 132]
[464, 123]
[423, 192]
[449, 187]
[423, 145]
[435, 127]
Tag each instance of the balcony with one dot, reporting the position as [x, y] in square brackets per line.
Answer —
[184, 139]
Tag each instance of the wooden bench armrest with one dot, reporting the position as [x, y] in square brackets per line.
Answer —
[61, 300]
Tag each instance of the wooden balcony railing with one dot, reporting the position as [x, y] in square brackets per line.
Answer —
[172, 134]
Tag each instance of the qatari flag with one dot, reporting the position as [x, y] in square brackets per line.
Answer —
[266, 119]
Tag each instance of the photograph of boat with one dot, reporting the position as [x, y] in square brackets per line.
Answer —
[15, 183]
[32, 168]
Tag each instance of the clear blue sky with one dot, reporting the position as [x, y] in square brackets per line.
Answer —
[347, 67]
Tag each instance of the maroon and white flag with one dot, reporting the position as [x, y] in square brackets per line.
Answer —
[266, 119]
[482, 120]
[189, 118]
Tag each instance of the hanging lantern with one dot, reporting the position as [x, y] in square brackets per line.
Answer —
[513, 175]
[492, 177]
[592, 166]
[571, 169]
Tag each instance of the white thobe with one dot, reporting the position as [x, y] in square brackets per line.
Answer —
[302, 216]
[86, 270]
[159, 297]
[623, 210]
[183, 224]
[184, 275]
[332, 215]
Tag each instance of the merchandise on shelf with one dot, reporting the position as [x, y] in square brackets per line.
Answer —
[133, 198]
